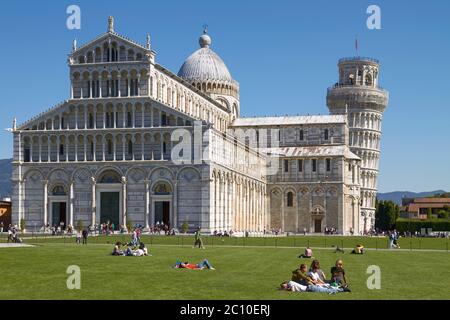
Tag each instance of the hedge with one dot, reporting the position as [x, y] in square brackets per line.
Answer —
[403, 225]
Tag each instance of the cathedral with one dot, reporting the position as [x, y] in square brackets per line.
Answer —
[136, 144]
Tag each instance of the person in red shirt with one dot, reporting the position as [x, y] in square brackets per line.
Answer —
[205, 264]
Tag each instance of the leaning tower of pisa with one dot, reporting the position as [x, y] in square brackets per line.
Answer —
[359, 95]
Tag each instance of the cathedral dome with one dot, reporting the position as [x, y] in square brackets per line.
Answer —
[205, 65]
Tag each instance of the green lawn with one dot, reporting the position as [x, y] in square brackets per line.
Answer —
[242, 272]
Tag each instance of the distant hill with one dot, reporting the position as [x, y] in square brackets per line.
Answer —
[397, 196]
[5, 178]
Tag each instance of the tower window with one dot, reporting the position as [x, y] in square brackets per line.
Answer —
[326, 134]
[302, 135]
[328, 165]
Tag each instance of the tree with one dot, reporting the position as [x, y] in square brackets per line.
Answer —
[429, 213]
[387, 213]
[443, 214]
[185, 227]
[79, 225]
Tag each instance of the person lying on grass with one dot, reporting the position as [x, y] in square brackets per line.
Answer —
[307, 255]
[205, 264]
[296, 287]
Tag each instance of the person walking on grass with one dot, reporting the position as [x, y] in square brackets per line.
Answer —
[85, 235]
[198, 239]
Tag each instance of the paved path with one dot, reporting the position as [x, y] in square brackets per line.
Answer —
[15, 245]
[347, 250]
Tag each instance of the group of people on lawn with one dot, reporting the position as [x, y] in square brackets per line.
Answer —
[314, 279]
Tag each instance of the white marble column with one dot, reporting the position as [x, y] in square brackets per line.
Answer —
[94, 201]
[71, 200]
[45, 182]
[147, 204]
[124, 201]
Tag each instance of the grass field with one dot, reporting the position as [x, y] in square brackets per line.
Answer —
[253, 271]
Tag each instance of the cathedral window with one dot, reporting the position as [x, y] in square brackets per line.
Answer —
[314, 165]
[290, 199]
[61, 149]
[327, 134]
[110, 147]
[328, 165]
[91, 121]
[164, 147]
[129, 120]
[286, 165]
[27, 155]
[59, 191]
[130, 147]
[62, 123]
[300, 165]
[302, 135]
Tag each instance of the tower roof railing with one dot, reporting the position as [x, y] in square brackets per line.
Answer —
[350, 59]
[354, 86]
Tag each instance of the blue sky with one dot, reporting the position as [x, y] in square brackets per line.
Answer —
[284, 54]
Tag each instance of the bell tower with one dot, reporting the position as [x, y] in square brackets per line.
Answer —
[359, 95]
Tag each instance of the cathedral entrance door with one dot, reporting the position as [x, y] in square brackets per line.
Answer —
[59, 214]
[110, 208]
[162, 212]
[318, 226]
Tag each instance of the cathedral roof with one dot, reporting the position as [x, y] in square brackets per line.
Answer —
[205, 65]
[289, 120]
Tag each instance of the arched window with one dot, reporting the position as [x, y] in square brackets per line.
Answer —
[59, 191]
[290, 199]
[326, 134]
[368, 80]
[162, 188]
[110, 147]
[130, 147]
[129, 119]
[110, 177]
[91, 121]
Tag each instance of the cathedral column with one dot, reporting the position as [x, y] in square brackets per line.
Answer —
[124, 201]
[85, 117]
[115, 116]
[71, 202]
[103, 148]
[114, 147]
[40, 149]
[123, 147]
[94, 140]
[76, 148]
[128, 86]
[175, 205]
[142, 148]
[58, 141]
[48, 149]
[45, 182]
[119, 90]
[90, 86]
[151, 116]
[104, 117]
[66, 147]
[95, 117]
[124, 112]
[84, 148]
[147, 204]
[94, 204]
[76, 118]
[226, 204]
[143, 117]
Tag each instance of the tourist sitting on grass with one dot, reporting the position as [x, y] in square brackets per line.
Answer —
[359, 249]
[316, 274]
[300, 276]
[338, 275]
[117, 251]
[200, 266]
[307, 255]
